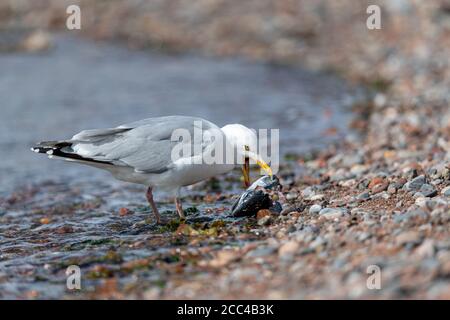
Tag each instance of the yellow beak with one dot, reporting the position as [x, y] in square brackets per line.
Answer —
[260, 162]
[264, 166]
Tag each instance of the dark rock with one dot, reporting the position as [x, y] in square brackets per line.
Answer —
[252, 203]
[415, 184]
[276, 208]
[288, 210]
[427, 190]
[256, 197]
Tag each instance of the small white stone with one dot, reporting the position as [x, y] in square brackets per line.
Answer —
[317, 197]
[332, 213]
[315, 208]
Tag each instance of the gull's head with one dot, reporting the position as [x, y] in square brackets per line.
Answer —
[245, 144]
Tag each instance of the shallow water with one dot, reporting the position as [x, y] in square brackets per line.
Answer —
[62, 214]
[81, 84]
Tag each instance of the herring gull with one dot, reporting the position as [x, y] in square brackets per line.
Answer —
[142, 152]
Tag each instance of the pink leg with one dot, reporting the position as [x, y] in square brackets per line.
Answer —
[149, 195]
[179, 208]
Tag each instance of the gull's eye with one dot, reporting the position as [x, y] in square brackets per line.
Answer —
[246, 148]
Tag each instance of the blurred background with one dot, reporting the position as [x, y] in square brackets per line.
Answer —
[227, 62]
[268, 64]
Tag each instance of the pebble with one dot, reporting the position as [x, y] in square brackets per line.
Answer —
[352, 160]
[434, 173]
[44, 220]
[317, 243]
[349, 183]
[287, 181]
[289, 248]
[223, 258]
[308, 192]
[382, 195]
[276, 208]
[262, 213]
[363, 196]
[415, 184]
[139, 224]
[64, 230]
[376, 181]
[426, 249]
[317, 197]
[446, 173]
[260, 252]
[288, 210]
[408, 237]
[400, 183]
[358, 211]
[264, 221]
[380, 100]
[291, 196]
[436, 182]
[421, 201]
[332, 213]
[364, 184]
[291, 229]
[124, 211]
[363, 236]
[392, 189]
[428, 190]
[446, 191]
[315, 209]
[380, 187]
[417, 213]
[358, 169]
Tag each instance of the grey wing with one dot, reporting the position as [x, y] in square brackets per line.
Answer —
[145, 145]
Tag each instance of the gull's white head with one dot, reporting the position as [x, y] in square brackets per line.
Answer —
[240, 137]
[245, 144]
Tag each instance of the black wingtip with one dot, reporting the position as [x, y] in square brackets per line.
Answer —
[40, 149]
[54, 149]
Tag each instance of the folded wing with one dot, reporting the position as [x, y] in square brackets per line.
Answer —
[144, 145]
